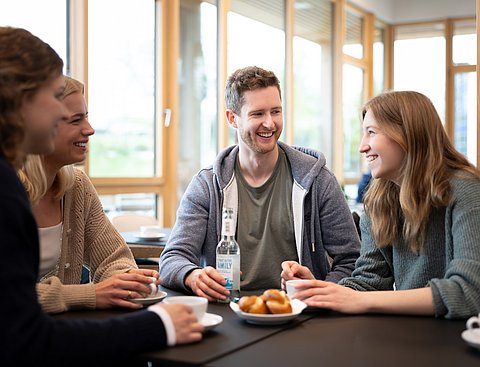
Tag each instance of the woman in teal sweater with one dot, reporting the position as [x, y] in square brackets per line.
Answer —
[420, 232]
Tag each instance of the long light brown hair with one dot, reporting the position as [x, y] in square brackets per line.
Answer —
[410, 119]
[26, 64]
[33, 174]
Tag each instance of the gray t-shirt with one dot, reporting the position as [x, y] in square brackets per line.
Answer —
[265, 230]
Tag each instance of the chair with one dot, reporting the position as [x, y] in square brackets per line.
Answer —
[145, 256]
[132, 222]
[356, 220]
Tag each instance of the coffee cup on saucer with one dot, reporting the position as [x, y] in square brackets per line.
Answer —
[473, 323]
[153, 289]
[150, 231]
[198, 304]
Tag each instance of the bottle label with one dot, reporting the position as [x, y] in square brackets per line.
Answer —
[227, 267]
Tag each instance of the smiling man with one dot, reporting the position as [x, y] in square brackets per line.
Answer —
[287, 205]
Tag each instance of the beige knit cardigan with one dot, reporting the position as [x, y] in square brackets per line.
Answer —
[88, 238]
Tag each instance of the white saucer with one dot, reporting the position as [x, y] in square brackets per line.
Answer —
[150, 300]
[297, 307]
[210, 320]
[472, 337]
[157, 237]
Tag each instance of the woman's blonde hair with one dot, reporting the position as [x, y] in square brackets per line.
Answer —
[33, 174]
[410, 119]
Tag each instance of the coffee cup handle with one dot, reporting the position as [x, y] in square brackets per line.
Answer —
[473, 322]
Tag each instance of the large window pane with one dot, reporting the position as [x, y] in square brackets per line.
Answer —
[464, 43]
[197, 146]
[312, 65]
[256, 36]
[465, 134]
[353, 45]
[352, 103]
[419, 62]
[45, 19]
[121, 75]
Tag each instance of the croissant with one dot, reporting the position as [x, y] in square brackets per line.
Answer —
[252, 304]
[271, 301]
[277, 301]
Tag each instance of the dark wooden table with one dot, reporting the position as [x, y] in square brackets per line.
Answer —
[317, 338]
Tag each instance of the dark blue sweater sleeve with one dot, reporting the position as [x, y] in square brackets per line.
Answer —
[28, 336]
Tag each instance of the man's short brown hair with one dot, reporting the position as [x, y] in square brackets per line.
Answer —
[249, 78]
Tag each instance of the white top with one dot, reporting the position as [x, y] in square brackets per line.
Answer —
[50, 247]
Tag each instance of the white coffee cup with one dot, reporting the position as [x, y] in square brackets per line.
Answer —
[474, 323]
[198, 304]
[150, 231]
[290, 286]
[153, 289]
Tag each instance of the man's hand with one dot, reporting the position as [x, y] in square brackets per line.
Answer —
[187, 327]
[208, 283]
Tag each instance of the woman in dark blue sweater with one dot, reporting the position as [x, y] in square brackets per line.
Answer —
[31, 86]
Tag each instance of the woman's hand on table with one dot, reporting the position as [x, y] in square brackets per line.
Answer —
[187, 328]
[293, 270]
[147, 273]
[208, 283]
[328, 295]
[119, 289]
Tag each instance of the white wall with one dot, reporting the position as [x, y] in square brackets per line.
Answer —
[400, 11]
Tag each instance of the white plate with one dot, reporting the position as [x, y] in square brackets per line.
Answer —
[210, 320]
[150, 300]
[472, 337]
[149, 238]
[297, 307]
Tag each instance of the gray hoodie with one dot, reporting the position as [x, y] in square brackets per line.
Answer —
[325, 236]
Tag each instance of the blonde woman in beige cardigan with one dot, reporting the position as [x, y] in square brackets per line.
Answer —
[73, 228]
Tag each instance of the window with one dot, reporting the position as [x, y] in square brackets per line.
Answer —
[51, 27]
[419, 61]
[354, 91]
[312, 68]
[464, 46]
[256, 36]
[353, 45]
[379, 61]
[121, 88]
[353, 98]
[198, 137]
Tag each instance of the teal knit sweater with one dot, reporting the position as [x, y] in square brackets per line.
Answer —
[449, 263]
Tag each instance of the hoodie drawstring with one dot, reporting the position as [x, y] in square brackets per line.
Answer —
[312, 215]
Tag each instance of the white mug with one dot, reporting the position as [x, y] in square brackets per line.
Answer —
[290, 286]
[198, 304]
[153, 289]
[473, 322]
